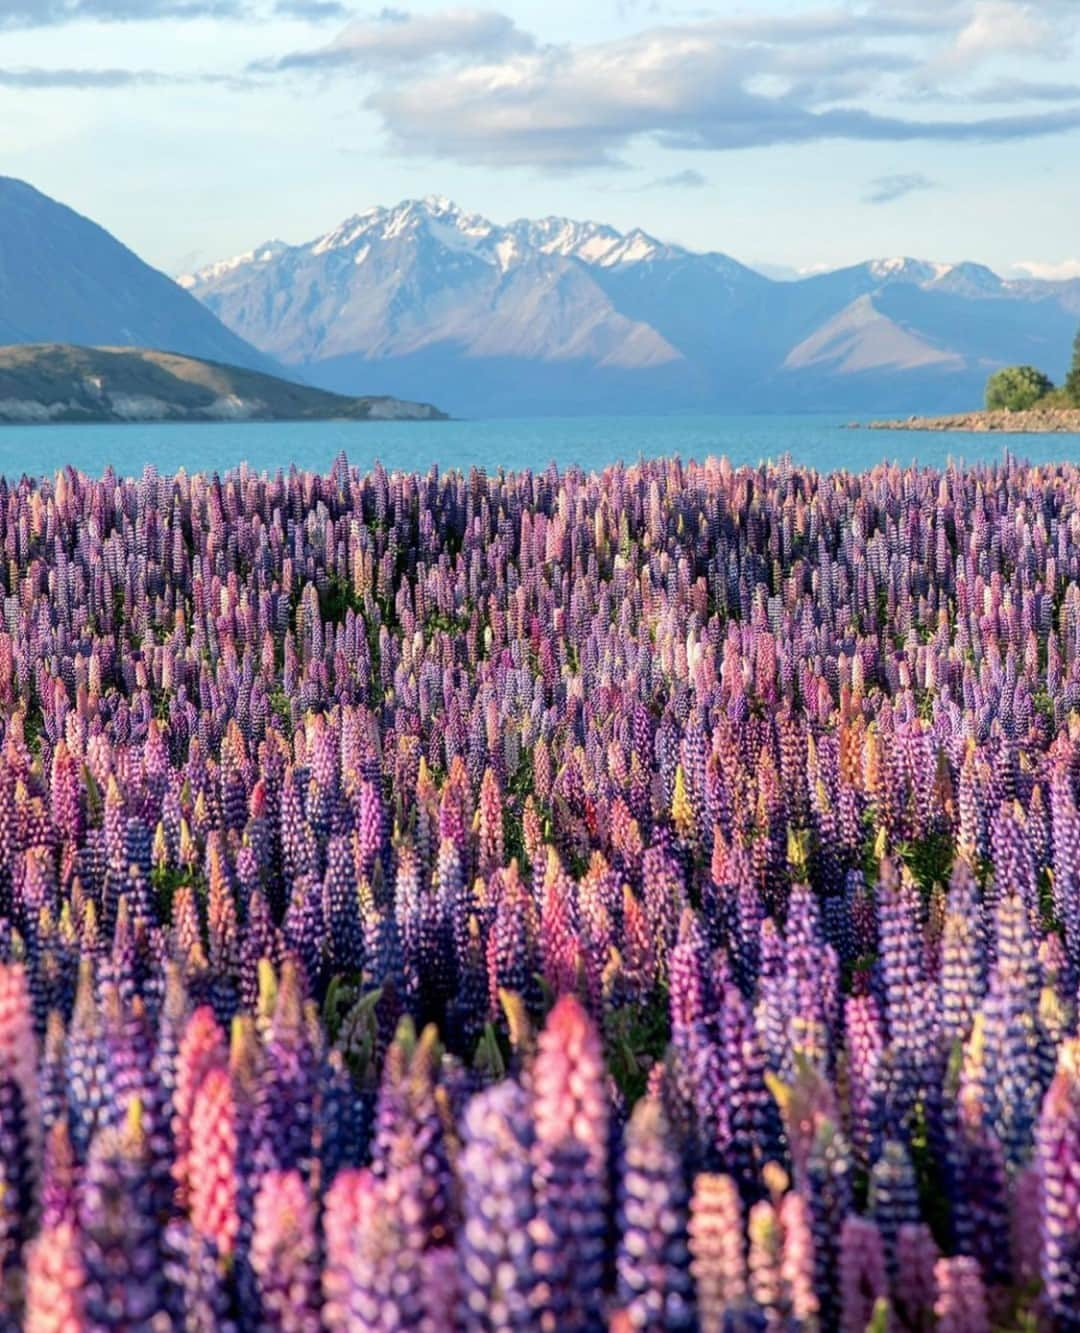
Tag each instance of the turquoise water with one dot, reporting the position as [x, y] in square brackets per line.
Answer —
[592, 442]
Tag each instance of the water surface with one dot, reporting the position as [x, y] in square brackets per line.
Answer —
[820, 442]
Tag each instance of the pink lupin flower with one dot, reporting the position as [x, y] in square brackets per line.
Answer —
[718, 1260]
[961, 1298]
[202, 1048]
[284, 1254]
[54, 1281]
[212, 1176]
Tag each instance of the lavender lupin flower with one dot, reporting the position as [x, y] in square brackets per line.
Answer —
[495, 1168]
[654, 1286]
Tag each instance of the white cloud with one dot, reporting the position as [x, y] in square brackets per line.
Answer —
[690, 86]
[395, 38]
[471, 86]
[1003, 26]
[1062, 271]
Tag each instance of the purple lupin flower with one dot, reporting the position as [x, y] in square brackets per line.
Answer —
[828, 1189]
[960, 1305]
[894, 1198]
[281, 1126]
[121, 1240]
[20, 1134]
[494, 1246]
[1058, 1159]
[1012, 1037]
[916, 1255]
[570, 1115]
[654, 1285]
[862, 1273]
[901, 966]
[979, 1189]
[284, 1255]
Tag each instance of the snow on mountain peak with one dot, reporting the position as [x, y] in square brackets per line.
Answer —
[444, 222]
[905, 269]
[972, 278]
[435, 214]
[591, 243]
[262, 254]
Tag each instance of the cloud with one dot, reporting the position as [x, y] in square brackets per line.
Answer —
[33, 79]
[312, 11]
[49, 13]
[1022, 90]
[887, 189]
[29, 79]
[679, 180]
[1064, 271]
[1004, 27]
[394, 39]
[687, 87]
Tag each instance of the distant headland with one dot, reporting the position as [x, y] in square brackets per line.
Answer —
[1035, 421]
[56, 382]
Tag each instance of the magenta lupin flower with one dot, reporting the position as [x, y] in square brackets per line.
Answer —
[570, 1117]
[284, 1255]
[212, 1162]
[862, 1273]
[960, 1305]
[1058, 1160]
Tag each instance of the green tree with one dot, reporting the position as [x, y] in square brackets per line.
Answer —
[1016, 388]
[1072, 380]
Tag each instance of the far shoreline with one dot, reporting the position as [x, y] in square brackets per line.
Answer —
[1034, 421]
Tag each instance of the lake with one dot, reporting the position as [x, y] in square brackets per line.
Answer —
[592, 442]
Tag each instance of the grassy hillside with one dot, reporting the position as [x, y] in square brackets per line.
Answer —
[54, 382]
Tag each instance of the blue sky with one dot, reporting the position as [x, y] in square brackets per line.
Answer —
[801, 133]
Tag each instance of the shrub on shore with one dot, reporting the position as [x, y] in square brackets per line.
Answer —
[1017, 389]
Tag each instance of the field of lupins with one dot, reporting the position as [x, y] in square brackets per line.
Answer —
[560, 902]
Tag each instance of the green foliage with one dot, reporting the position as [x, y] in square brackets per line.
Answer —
[33, 726]
[165, 881]
[281, 707]
[336, 599]
[1016, 388]
[490, 1058]
[932, 1198]
[357, 1034]
[929, 859]
[1072, 380]
[636, 1037]
[1058, 400]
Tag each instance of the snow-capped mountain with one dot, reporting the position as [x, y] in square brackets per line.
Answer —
[556, 315]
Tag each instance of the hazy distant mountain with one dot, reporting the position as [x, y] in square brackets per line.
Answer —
[562, 316]
[64, 279]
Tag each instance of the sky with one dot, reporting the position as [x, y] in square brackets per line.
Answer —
[794, 135]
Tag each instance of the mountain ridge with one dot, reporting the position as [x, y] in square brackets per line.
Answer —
[555, 314]
[64, 278]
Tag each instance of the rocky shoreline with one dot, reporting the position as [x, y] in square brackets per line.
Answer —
[1061, 421]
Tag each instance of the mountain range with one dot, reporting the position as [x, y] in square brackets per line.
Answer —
[562, 316]
[427, 301]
